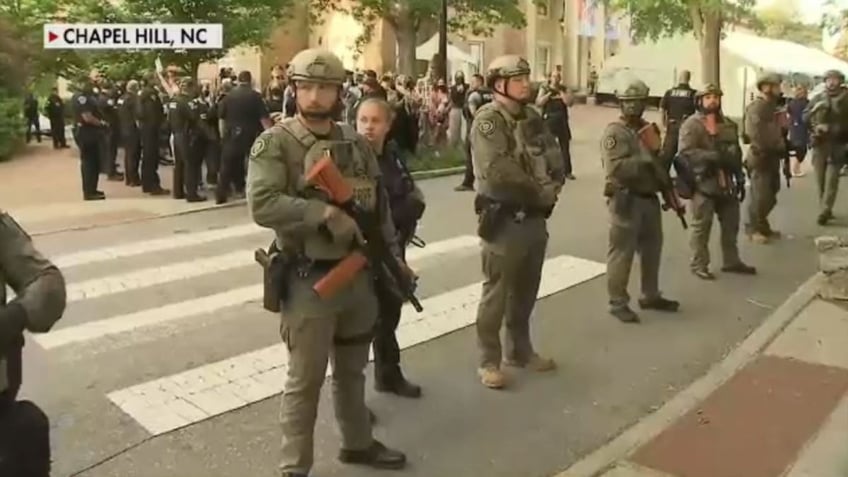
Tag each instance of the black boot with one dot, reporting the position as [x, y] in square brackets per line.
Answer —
[377, 456]
[393, 381]
[625, 315]
[659, 303]
[740, 268]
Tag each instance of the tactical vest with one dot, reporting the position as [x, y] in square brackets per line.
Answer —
[530, 141]
[648, 182]
[353, 162]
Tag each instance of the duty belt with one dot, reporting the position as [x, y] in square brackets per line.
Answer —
[518, 211]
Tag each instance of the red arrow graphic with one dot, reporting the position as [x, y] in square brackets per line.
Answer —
[51, 36]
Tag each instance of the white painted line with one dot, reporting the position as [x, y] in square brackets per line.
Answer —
[198, 307]
[176, 401]
[156, 245]
[149, 277]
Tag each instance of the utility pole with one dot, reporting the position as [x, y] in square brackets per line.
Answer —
[442, 66]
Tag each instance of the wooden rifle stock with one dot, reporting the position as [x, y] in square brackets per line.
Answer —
[340, 275]
[326, 176]
[650, 139]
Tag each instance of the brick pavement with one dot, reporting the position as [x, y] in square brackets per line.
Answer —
[783, 414]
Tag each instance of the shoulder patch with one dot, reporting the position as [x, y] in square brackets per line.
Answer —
[609, 142]
[486, 127]
[259, 146]
[82, 99]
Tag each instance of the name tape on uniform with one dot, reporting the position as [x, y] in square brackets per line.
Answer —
[133, 36]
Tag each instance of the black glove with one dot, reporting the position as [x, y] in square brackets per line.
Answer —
[13, 320]
[740, 185]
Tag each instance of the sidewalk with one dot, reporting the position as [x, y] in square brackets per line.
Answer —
[41, 189]
[776, 406]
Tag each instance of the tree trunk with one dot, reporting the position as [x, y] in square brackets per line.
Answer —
[710, 46]
[407, 41]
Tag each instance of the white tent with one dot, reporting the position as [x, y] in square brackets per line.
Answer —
[426, 51]
[743, 57]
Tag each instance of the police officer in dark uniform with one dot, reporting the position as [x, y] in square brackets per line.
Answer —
[39, 302]
[553, 101]
[184, 120]
[478, 96]
[55, 109]
[31, 116]
[88, 126]
[206, 136]
[209, 118]
[130, 134]
[406, 202]
[274, 101]
[150, 116]
[110, 134]
[244, 116]
[676, 104]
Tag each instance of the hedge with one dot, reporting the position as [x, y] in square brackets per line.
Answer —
[11, 124]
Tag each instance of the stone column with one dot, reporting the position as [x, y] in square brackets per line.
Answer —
[599, 41]
[530, 36]
[572, 42]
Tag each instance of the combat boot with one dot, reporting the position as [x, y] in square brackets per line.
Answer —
[758, 238]
[534, 363]
[824, 217]
[659, 303]
[774, 234]
[377, 456]
[625, 315]
[703, 274]
[739, 268]
[492, 377]
[399, 386]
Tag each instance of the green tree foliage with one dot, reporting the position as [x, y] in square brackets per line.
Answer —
[25, 18]
[835, 20]
[780, 20]
[14, 63]
[652, 19]
[415, 20]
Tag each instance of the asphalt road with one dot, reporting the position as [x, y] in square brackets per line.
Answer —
[610, 374]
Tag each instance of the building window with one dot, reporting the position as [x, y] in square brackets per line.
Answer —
[543, 60]
[543, 8]
[476, 53]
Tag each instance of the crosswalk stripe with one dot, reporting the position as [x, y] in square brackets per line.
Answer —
[193, 308]
[156, 245]
[176, 401]
[152, 276]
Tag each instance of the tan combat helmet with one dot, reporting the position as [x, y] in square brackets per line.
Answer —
[709, 88]
[317, 65]
[768, 78]
[634, 89]
[834, 74]
[505, 67]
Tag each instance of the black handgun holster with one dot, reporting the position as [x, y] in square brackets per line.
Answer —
[490, 218]
[274, 278]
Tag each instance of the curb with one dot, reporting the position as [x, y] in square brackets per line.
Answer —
[448, 171]
[420, 175]
[605, 457]
[227, 205]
